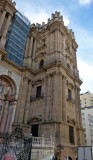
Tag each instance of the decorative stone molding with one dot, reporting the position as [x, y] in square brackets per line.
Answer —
[34, 120]
[71, 120]
[70, 84]
[16, 78]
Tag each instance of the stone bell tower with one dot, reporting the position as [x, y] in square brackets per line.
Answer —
[49, 101]
[7, 9]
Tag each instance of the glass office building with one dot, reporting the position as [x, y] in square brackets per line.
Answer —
[16, 38]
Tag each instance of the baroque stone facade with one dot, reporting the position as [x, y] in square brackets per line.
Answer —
[49, 98]
[43, 96]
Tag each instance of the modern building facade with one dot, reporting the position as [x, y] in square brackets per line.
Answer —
[49, 97]
[86, 99]
[87, 122]
[16, 38]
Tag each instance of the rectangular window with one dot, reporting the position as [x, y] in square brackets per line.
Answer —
[71, 135]
[69, 94]
[38, 92]
[34, 130]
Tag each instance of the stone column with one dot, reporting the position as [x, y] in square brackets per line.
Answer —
[4, 117]
[18, 102]
[48, 43]
[55, 98]
[13, 110]
[7, 26]
[30, 47]
[56, 41]
[48, 98]
[27, 108]
[76, 105]
[2, 18]
[3, 39]
[51, 95]
[64, 98]
[34, 50]
[53, 41]
[30, 52]
[77, 115]
[45, 95]
[51, 45]
[23, 99]
[27, 47]
[61, 42]
[63, 45]
[60, 97]
[11, 113]
[57, 101]
[26, 52]
[79, 109]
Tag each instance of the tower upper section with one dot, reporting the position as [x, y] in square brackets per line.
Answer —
[49, 43]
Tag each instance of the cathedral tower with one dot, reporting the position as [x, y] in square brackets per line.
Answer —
[49, 99]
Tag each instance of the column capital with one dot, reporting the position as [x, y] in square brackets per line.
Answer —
[25, 78]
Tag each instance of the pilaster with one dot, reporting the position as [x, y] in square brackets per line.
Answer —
[76, 105]
[48, 98]
[56, 41]
[64, 99]
[11, 114]
[23, 100]
[2, 18]
[34, 49]
[30, 52]
[3, 39]
[60, 97]
[30, 47]
[51, 42]
[27, 108]
[55, 98]
[27, 47]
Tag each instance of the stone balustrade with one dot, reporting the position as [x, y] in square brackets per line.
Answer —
[43, 142]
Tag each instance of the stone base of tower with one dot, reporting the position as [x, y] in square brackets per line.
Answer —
[59, 132]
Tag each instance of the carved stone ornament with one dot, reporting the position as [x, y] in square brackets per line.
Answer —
[34, 119]
[71, 121]
[41, 43]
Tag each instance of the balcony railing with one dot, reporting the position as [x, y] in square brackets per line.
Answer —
[34, 98]
[69, 98]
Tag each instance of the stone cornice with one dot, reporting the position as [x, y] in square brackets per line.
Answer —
[54, 64]
[9, 5]
[4, 59]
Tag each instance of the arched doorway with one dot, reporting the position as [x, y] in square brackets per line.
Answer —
[7, 102]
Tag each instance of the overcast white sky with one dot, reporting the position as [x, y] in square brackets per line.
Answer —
[78, 16]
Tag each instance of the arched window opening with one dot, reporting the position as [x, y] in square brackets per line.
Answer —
[41, 64]
[68, 66]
